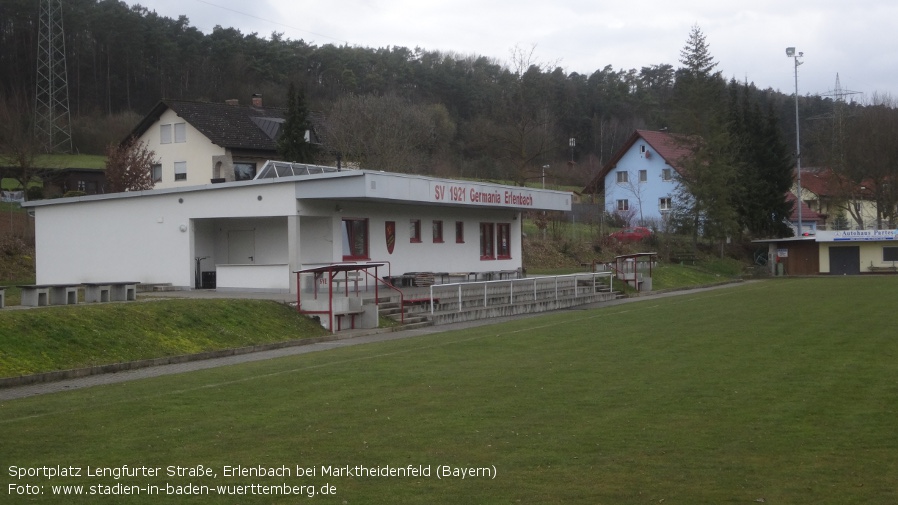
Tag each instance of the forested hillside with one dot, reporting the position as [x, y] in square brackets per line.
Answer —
[489, 119]
[462, 115]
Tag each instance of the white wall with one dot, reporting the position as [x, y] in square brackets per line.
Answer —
[316, 240]
[155, 236]
[197, 151]
[425, 256]
[129, 238]
[270, 239]
[112, 240]
[649, 192]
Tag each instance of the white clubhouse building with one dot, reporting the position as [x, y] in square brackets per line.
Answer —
[255, 234]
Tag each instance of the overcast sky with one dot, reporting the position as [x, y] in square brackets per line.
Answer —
[855, 38]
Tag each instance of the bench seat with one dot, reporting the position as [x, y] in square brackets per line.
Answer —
[122, 291]
[41, 295]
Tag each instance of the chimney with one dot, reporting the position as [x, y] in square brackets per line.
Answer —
[257, 100]
[232, 102]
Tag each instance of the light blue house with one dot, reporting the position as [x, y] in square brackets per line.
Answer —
[640, 181]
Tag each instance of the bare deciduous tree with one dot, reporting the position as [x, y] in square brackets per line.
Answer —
[129, 167]
[525, 130]
[871, 156]
[387, 132]
[17, 145]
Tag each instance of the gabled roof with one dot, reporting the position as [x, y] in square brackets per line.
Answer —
[242, 127]
[818, 182]
[806, 213]
[827, 183]
[673, 149]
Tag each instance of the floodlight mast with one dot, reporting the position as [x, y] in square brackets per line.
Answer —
[790, 52]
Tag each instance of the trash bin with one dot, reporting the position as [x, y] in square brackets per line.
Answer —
[208, 280]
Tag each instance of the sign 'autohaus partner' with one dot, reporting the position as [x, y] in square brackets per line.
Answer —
[856, 235]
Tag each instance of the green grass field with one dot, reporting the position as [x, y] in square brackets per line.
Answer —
[76, 336]
[780, 391]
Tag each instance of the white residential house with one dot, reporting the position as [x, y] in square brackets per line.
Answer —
[639, 182]
[202, 142]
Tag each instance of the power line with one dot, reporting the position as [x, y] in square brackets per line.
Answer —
[270, 21]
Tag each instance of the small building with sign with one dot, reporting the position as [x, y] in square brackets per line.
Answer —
[852, 252]
[846, 252]
[791, 256]
[253, 235]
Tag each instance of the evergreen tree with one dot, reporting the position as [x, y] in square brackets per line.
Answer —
[292, 143]
[698, 93]
[696, 56]
[705, 202]
[762, 163]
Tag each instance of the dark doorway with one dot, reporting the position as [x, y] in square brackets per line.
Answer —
[845, 260]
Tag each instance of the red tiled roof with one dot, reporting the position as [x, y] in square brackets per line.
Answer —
[673, 149]
[826, 183]
[819, 182]
[806, 213]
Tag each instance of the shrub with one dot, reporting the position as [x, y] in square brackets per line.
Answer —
[34, 193]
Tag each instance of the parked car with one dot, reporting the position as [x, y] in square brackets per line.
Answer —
[634, 234]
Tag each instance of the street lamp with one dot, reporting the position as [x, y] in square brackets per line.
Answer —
[544, 175]
[790, 52]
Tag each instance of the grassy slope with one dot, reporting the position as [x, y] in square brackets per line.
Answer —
[89, 161]
[59, 161]
[58, 338]
[754, 393]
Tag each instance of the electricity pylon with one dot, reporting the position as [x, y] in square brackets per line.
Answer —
[52, 119]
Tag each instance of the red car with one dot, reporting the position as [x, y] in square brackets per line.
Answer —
[634, 234]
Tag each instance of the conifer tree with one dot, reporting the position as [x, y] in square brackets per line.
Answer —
[704, 203]
[292, 143]
[762, 163]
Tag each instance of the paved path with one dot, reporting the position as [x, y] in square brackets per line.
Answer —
[356, 337]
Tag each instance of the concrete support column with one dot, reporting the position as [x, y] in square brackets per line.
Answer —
[293, 243]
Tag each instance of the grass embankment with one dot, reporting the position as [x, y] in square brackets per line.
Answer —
[776, 392]
[672, 275]
[702, 273]
[59, 338]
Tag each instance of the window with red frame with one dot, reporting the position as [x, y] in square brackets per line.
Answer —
[487, 241]
[503, 241]
[355, 239]
[437, 232]
[459, 232]
[414, 230]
